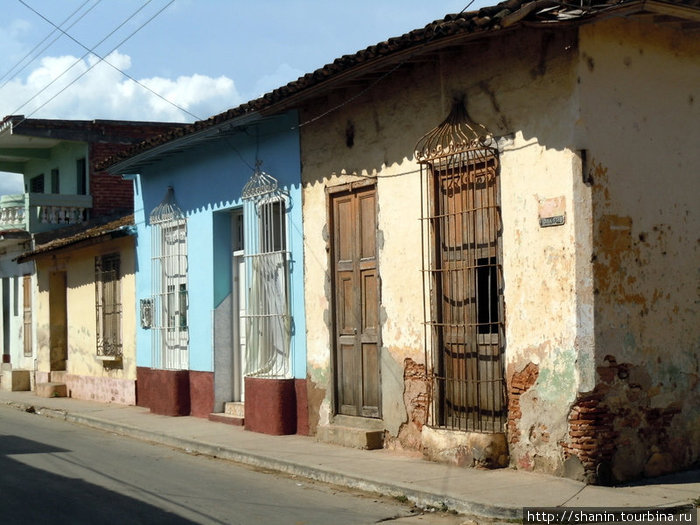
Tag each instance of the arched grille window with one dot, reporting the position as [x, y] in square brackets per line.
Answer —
[268, 322]
[169, 332]
[463, 277]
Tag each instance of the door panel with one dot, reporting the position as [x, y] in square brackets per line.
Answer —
[348, 393]
[468, 299]
[356, 302]
[370, 301]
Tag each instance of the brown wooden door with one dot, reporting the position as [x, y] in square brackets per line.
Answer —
[356, 302]
[469, 298]
[58, 333]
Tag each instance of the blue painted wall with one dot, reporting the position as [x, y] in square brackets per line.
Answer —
[208, 179]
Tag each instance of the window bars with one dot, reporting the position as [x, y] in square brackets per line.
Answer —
[169, 331]
[462, 275]
[268, 323]
[108, 305]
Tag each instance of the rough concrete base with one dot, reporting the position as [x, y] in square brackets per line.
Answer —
[465, 449]
[15, 380]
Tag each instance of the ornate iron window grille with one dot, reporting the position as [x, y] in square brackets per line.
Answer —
[462, 275]
[169, 330]
[108, 305]
[268, 322]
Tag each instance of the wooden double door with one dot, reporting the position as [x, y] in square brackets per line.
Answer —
[355, 278]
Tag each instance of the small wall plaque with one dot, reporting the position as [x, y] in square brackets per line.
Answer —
[552, 212]
[146, 313]
[557, 220]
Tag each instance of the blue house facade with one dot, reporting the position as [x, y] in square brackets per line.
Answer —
[220, 272]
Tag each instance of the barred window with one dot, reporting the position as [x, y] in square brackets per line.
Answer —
[463, 274]
[170, 335]
[108, 305]
[268, 319]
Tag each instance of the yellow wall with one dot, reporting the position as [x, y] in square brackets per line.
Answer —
[88, 377]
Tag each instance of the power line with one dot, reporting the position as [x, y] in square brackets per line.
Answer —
[115, 67]
[376, 81]
[466, 7]
[44, 40]
[81, 59]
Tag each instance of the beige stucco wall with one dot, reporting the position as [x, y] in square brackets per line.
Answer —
[86, 376]
[529, 98]
[601, 323]
[640, 121]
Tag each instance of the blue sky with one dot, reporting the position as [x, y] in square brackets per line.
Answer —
[205, 55]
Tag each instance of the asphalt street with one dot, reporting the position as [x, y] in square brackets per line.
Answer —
[54, 472]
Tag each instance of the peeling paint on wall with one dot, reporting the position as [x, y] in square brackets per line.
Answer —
[416, 400]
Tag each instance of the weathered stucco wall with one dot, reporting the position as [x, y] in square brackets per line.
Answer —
[86, 376]
[529, 98]
[640, 122]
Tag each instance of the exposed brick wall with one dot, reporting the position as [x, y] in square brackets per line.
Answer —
[519, 383]
[591, 435]
[110, 193]
[618, 435]
[416, 400]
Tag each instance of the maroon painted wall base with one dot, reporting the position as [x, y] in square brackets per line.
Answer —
[201, 393]
[165, 392]
[270, 406]
[302, 407]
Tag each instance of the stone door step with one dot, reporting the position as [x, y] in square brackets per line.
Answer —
[229, 419]
[351, 436]
[51, 389]
[234, 408]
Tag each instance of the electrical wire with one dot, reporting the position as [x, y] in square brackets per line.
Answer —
[104, 59]
[467, 7]
[76, 62]
[375, 82]
[93, 65]
[47, 45]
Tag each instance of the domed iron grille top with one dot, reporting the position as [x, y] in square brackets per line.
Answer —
[457, 134]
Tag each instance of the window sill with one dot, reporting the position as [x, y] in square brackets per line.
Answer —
[108, 357]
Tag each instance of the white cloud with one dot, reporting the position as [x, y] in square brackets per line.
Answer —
[103, 92]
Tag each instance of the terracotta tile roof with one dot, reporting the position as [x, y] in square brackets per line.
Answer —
[439, 33]
[64, 237]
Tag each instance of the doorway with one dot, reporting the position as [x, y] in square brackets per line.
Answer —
[355, 278]
[58, 334]
[238, 310]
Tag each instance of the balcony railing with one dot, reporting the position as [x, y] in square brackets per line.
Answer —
[40, 212]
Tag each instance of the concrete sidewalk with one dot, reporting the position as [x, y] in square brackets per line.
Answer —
[499, 494]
